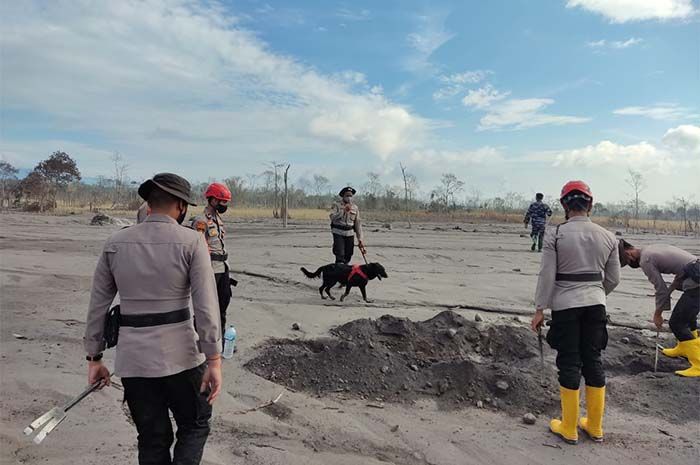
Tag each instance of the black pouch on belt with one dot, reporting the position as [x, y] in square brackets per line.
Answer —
[111, 332]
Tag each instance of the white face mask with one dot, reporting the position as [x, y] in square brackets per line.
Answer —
[347, 199]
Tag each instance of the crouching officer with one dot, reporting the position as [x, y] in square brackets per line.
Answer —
[158, 267]
[580, 266]
[657, 260]
[345, 224]
[211, 224]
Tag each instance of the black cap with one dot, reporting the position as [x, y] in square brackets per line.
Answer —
[346, 189]
[170, 183]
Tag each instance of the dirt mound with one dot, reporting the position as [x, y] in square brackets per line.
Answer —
[464, 363]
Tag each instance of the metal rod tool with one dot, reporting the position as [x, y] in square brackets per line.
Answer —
[46, 423]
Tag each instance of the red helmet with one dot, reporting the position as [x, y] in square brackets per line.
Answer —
[218, 191]
[572, 186]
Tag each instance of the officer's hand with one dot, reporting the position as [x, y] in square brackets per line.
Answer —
[362, 247]
[97, 371]
[537, 320]
[212, 379]
[658, 320]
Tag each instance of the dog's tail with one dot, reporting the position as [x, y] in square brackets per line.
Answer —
[311, 275]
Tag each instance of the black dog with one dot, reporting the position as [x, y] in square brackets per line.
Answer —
[347, 275]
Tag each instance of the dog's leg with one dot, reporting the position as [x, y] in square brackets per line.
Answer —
[328, 291]
[364, 294]
[320, 291]
[347, 291]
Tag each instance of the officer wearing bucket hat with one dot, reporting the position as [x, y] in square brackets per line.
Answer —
[580, 267]
[345, 225]
[165, 364]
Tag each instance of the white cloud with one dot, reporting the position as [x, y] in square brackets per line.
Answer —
[181, 78]
[621, 11]
[684, 138]
[457, 83]
[483, 97]
[615, 44]
[442, 158]
[430, 35]
[607, 153]
[662, 111]
[522, 114]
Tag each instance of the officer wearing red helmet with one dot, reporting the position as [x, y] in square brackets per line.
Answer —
[212, 226]
[580, 267]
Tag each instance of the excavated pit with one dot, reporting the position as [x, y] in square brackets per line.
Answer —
[462, 363]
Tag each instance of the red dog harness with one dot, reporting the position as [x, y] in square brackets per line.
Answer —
[356, 270]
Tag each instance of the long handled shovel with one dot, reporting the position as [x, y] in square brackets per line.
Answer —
[48, 422]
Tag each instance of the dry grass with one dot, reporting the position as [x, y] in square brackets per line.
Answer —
[477, 216]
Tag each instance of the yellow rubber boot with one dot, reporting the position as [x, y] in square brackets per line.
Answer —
[691, 350]
[676, 351]
[673, 352]
[592, 423]
[566, 427]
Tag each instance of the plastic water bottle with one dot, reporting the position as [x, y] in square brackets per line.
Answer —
[229, 342]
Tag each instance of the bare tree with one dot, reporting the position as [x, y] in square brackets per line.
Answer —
[636, 181]
[120, 170]
[8, 173]
[285, 204]
[410, 184]
[451, 185]
[681, 205]
[276, 170]
[320, 184]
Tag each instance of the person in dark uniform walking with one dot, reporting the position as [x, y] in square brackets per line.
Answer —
[165, 364]
[211, 224]
[580, 267]
[537, 215]
[345, 225]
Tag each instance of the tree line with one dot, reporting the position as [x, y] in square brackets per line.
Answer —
[57, 181]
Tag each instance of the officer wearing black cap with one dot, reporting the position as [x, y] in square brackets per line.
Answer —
[345, 225]
[165, 363]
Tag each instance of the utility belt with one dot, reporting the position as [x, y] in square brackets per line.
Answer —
[219, 257]
[580, 277]
[115, 320]
[342, 227]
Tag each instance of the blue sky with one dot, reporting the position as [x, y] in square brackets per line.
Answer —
[509, 95]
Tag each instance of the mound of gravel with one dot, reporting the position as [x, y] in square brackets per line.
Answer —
[465, 363]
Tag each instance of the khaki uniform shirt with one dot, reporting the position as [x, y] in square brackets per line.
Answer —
[580, 246]
[346, 223]
[212, 226]
[156, 266]
[659, 259]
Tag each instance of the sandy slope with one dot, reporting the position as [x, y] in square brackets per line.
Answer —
[46, 265]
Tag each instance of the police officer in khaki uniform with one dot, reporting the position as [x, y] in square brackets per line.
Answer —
[158, 268]
[211, 224]
[345, 225]
[580, 267]
[659, 259]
